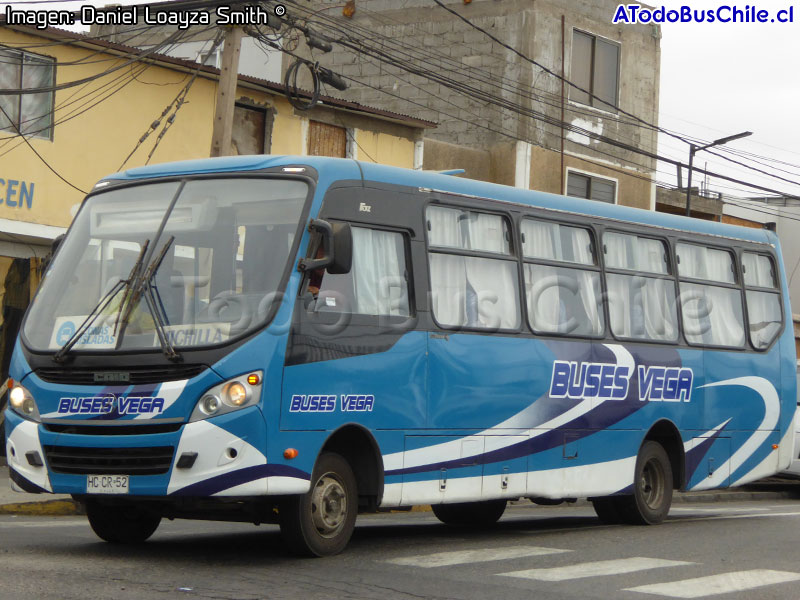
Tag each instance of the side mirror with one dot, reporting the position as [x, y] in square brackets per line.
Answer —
[337, 247]
[342, 249]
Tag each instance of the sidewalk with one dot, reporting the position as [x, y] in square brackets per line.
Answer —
[774, 488]
[15, 503]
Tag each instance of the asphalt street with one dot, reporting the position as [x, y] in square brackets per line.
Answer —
[726, 550]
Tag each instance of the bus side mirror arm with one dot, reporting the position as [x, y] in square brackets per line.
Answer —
[337, 247]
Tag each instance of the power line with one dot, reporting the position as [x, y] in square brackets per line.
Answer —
[39, 156]
[371, 35]
[137, 57]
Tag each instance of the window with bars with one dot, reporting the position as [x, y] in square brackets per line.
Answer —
[29, 114]
[595, 69]
[581, 185]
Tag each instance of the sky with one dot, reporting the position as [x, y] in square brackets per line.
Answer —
[721, 79]
[717, 79]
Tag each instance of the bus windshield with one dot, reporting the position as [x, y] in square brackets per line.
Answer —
[223, 250]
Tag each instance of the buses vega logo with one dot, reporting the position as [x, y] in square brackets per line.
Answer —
[327, 403]
[103, 405]
[605, 381]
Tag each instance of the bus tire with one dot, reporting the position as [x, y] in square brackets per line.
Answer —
[481, 514]
[121, 524]
[652, 487]
[607, 509]
[321, 522]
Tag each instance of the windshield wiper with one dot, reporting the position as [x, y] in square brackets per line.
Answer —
[143, 286]
[101, 305]
[153, 299]
[130, 283]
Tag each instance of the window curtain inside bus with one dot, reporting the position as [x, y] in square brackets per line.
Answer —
[758, 270]
[561, 300]
[640, 307]
[379, 273]
[764, 315]
[712, 315]
[699, 262]
[472, 291]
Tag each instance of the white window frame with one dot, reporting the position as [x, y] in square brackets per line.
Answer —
[45, 135]
[596, 36]
[569, 170]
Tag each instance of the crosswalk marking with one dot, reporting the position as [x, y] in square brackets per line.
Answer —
[726, 510]
[446, 559]
[596, 569]
[717, 584]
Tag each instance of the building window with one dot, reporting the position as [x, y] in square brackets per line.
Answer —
[591, 187]
[595, 68]
[326, 140]
[30, 114]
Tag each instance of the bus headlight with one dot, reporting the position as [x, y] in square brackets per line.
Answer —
[209, 405]
[234, 394]
[22, 403]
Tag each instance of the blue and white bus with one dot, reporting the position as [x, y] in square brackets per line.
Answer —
[293, 340]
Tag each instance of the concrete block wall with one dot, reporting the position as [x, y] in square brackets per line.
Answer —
[533, 27]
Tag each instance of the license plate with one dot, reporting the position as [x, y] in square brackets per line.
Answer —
[107, 484]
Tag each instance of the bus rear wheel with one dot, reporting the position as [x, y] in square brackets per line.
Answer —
[652, 487]
[121, 524]
[479, 514]
[607, 509]
[321, 522]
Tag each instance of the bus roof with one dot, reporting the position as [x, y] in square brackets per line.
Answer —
[351, 169]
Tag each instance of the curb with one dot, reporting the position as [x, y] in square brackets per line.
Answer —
[47, 508]
[57, 508]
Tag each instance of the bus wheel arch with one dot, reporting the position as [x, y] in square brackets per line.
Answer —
[358, 447]
[666, 433]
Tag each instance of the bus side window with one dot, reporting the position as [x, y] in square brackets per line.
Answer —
[762, 298]
[564, 299]
[711, 299]
[474, 275]
[377, 283]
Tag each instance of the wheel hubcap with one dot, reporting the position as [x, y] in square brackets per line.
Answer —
[652, 484]
[328, 505]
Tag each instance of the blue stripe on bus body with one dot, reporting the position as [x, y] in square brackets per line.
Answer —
[614, 413]
[214, 485]
[695, 456]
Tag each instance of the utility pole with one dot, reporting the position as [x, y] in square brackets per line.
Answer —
[693, 149]
[226, 93]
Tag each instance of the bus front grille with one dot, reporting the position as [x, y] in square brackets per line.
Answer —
[119, 376]
[138, 429]
[109, 461]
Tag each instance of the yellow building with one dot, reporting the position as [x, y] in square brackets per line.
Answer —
[97, 100]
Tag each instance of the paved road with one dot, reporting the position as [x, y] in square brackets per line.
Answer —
[722, 550]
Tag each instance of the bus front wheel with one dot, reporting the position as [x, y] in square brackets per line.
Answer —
[652, 487]
[121, 524]
[470, 513]
[320, 522]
